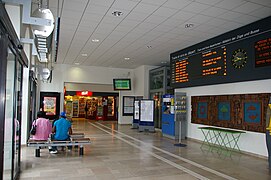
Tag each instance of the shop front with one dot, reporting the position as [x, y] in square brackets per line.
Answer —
[91, 105]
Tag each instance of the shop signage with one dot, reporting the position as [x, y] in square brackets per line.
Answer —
[84, 93]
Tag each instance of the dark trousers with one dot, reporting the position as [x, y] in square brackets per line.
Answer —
[54, 148]
[268, 145]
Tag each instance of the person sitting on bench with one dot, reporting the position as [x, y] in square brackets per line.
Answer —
[62, 129]
[43, 127]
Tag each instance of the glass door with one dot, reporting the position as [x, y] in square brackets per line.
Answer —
[17, 119]
[9, 117]
[13, 107]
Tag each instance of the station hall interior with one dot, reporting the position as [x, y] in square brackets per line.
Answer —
[162, 89]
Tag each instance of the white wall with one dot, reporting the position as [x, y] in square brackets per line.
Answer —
[140, 87]
[89, 86]
[99, 75]
[141, 80]
[250, 141]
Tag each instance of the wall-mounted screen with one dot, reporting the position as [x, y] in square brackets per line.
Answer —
[243, 54]
[122, 84]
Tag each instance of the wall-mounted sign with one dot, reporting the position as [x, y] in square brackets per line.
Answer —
[84, 93]
[122, 84]
[243, 54]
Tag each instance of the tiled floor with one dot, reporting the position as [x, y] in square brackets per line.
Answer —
[119, 152]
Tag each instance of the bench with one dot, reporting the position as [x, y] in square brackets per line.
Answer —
[45, 143]
[77, 135]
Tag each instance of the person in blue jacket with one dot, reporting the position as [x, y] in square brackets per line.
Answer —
[62, 130]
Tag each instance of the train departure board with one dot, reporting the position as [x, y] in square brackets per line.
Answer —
[243, 54]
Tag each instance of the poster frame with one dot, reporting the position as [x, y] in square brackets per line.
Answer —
[143, 108]
[128, 105]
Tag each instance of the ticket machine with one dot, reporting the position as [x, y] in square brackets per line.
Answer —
[168, 124]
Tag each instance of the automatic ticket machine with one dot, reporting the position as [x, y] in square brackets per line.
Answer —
[168, 124]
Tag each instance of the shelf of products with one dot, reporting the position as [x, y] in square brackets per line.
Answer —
[110, 106]
[100, 107]
[82, 105]
[75, 106]
[92, 107]
[69, 109]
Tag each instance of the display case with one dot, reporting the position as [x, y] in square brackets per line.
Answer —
[75, 108]
[110, 106]
[100, 109]
[82, 105]
[69, 109]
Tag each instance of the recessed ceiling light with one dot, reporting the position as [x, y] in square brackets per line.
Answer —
[117, 13]
[77, 63]
[95, 40]
[149, 47]
[189, 25]
[127, 58]
[85, 55]
[164, 62]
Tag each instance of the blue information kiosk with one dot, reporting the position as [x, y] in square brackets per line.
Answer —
[168, 124]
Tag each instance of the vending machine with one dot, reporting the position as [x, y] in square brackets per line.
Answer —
[168, 124]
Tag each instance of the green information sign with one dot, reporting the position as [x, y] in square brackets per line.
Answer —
[122, 84]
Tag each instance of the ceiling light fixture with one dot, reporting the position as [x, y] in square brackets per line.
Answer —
[164, 62]
[117, 13]
[95, 40]
[189, 25]
[84, 55]
[127, 58]
[77, 63]
[149, 47]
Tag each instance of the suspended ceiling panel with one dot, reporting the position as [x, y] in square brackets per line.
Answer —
[147, 31]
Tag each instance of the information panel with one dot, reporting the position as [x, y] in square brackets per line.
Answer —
[243, 54]
[128, 105]
[147, 110]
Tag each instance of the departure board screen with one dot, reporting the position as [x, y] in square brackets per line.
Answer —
[263, 53]
[243, 54]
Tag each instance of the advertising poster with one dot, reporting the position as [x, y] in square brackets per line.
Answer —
[49, 105]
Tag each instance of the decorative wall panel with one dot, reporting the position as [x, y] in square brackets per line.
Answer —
[237, 111]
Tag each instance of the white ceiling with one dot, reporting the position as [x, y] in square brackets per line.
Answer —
[159, 24]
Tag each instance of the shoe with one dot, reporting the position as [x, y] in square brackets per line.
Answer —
[53, 152]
